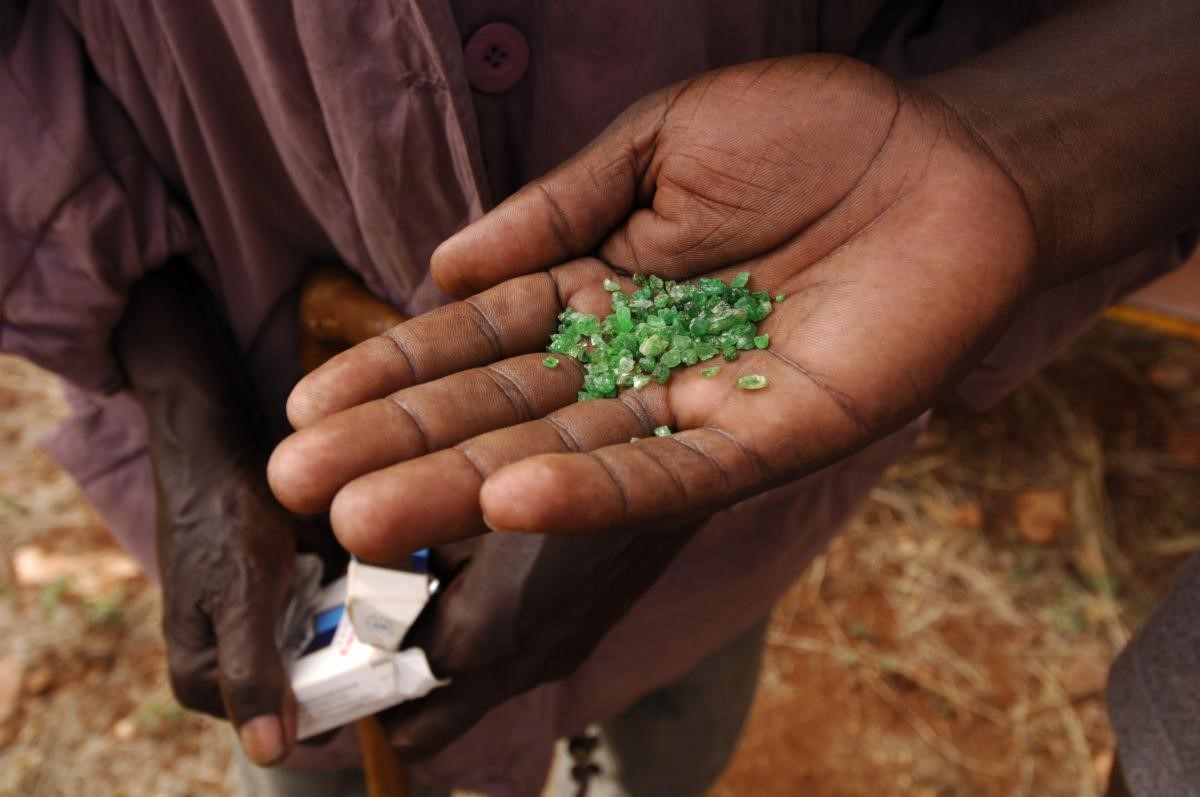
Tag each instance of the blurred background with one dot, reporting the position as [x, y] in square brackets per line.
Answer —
[954, 641]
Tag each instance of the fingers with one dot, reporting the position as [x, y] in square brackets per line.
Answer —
[659, 481]
[435, 499]
[518, 316]
[514, 318]
[558, 217]
[309, 467]
[191, 656]
[511, 319]
[253, 683]
[235, 673]
[728, 444]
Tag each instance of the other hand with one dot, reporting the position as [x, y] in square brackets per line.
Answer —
[516, 611]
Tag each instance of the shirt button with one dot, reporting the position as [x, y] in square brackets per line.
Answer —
[497, 56]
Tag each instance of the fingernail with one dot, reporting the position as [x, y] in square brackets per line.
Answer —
[262, 740]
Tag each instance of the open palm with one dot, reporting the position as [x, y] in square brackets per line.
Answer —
[902, 247]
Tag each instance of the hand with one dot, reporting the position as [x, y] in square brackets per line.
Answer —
[226, 550]
[515, 611]
[225, 547]
[902, 245]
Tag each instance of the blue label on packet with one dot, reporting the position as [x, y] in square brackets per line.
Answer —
[325, 626]
[420, 561]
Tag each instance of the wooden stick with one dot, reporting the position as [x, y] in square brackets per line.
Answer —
[336, 312]
[386, 776]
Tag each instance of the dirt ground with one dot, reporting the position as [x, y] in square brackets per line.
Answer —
[954, 641]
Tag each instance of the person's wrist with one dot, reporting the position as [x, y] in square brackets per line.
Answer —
[1011, 138]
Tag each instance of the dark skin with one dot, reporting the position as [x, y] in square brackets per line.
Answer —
[906, 221]
[520, 610]
[225, 546]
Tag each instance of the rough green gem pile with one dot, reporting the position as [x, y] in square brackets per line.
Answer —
[660, 326]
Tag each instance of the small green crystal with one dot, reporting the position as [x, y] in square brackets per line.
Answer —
[710, 372]
[653, 346]
[662, 431]
[660, 326]
[550, 362]
[752, 382]
[779, 297]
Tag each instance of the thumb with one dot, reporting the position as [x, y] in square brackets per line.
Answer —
[254, 684]
[558, 217]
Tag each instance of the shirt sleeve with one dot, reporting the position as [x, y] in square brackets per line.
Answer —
[83, 211]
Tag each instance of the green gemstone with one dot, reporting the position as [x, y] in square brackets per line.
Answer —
[710, 372]
[726, 318]
[653, 346]
[752, 382]
[586, 324]
[550, 362]
[660, 326]
[760, 311]
[762, 341]
[662, 431]
[779, 297]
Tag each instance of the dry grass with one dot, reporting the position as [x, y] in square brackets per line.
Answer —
[95, 716]
[961, 659]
